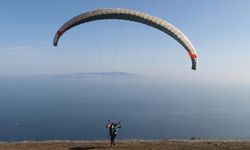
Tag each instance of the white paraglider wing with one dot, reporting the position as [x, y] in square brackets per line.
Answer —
[131, 15]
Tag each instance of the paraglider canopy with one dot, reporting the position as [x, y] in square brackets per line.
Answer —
[131, 15]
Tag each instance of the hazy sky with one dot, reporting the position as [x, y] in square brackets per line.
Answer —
[219, 29]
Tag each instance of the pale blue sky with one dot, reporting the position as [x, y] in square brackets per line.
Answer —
[219, 29]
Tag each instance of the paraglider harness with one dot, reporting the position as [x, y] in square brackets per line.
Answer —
[113, 128]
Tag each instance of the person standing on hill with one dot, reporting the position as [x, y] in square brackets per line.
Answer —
[113, 128]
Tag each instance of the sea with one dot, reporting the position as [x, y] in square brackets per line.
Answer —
[78, 106]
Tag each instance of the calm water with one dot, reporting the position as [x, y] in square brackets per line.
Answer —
[48, 108]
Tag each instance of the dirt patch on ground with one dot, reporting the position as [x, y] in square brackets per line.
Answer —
[130, 145]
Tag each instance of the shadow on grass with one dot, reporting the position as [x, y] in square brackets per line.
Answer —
[86, 148]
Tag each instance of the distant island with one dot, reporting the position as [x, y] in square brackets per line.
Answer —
[91, 75]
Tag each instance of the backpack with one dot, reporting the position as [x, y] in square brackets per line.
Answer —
[113, 129]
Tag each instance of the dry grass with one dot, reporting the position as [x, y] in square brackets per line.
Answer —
[130, 145]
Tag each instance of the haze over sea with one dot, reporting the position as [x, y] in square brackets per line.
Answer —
[77, 106]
